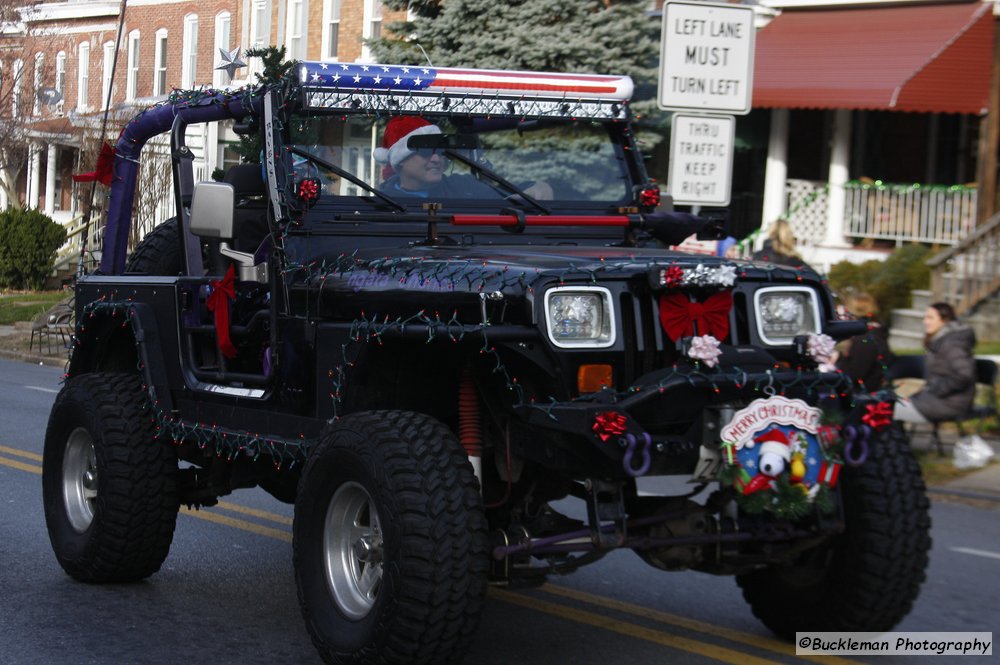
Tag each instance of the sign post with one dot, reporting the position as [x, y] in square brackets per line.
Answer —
[706, 66]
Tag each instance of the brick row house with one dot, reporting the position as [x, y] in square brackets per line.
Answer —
[56, 68]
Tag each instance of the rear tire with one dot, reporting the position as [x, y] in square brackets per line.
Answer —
[867, 578]
[159, 253]
[109, 487]
[390, 542]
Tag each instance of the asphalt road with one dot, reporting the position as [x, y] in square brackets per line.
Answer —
[226, 593]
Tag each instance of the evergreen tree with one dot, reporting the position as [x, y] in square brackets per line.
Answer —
[580, 36]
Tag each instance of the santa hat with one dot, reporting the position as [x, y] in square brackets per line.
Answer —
[397, 132]
[775, 442]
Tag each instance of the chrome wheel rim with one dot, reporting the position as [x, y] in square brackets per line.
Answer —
[353, 550]
[80, 479]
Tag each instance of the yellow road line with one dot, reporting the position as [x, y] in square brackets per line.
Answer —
[783, 648]
[239, 524]
[21, 466]
[719, 653]
[21, 453]
[253, 512]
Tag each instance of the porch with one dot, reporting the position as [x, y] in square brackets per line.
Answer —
[877, 216]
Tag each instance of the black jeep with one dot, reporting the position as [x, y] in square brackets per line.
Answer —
[442, 304]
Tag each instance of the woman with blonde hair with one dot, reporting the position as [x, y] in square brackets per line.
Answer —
[779, 247]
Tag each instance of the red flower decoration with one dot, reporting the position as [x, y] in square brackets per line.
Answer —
[309, 189]
[608, 424]
[649, 197]
[672, 277]
[878, 416]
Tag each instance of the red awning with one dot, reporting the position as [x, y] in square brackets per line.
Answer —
[925, 58]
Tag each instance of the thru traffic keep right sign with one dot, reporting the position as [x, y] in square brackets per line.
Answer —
[701, 159]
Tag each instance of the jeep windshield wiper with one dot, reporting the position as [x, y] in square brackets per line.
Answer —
[497, 178]
[347, 175]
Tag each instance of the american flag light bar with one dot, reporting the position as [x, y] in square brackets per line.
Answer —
[447, 80]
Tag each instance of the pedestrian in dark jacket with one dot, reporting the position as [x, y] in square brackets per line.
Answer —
[780, 246]
[865, 357]
[950, 369]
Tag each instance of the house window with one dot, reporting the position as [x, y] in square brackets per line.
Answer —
[36, 106]
[83, 76]
[60, 79]
[260, 32]
[132, 81]
[15, 95]
[189, 59]
[108, 65]
[223, 33]
[160, 64]
[372, 26]
[331, 28]
[295, 33]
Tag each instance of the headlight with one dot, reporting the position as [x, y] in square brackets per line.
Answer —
[782, 312]
[580, 316]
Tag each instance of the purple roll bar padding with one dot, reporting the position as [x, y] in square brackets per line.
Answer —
[210, 106]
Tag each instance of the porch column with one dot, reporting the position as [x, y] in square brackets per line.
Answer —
[34, 174]
[4, 201]
[51, 164]
[840, 154]
[776, 168]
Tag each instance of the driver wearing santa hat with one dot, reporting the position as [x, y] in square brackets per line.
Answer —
[421, 172]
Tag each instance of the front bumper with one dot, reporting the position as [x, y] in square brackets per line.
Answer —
[659, 425]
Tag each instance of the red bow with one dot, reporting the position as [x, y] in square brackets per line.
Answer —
[218, 301]
[679, 315]
[102, 173]
[878, 416]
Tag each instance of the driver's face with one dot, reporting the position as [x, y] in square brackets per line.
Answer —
[421, 171]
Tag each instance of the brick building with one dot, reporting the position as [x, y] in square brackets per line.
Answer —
[56, 71]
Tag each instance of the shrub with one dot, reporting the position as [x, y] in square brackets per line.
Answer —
[889, 282]
[28, 244]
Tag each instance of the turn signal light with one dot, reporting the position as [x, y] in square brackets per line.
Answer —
[592, 378]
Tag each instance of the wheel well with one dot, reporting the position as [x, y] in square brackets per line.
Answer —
[105, 346]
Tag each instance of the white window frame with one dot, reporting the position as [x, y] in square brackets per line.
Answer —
[107, 64]
[371, 28]
[15, 94]
[132, 77]
[36, 106]
[60, 79]
[331, 29]
[189, 52]
[83, 76]
[160, 46]
[260, 33]
[223, 35]
[296, 29]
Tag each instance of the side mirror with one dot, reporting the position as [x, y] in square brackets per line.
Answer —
[212, 210]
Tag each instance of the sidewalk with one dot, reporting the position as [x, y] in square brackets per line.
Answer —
[15, 340]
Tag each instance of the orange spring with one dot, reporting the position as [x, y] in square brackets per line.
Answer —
[470, 426]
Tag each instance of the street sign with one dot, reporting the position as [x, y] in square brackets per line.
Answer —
[706, 57]
[701, 159]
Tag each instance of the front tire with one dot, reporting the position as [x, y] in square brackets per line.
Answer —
[109, 487]
[390, 542]
[867, 578]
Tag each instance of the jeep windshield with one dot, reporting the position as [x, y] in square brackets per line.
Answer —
[467, 163]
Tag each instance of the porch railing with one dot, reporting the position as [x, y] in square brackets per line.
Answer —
[937, 215]
[969, 272]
